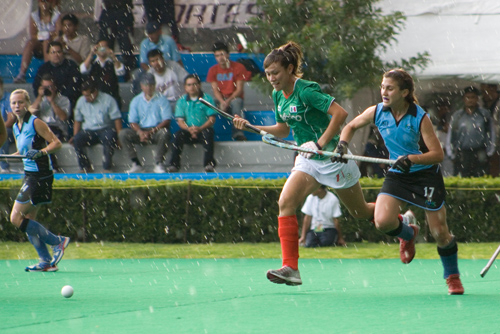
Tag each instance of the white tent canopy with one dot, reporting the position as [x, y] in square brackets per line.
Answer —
[462, 37]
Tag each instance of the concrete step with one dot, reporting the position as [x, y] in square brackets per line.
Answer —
[231, 157]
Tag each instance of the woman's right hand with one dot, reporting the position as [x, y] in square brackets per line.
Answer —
[239, 123]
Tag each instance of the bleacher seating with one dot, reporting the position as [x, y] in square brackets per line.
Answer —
[196, 62]
[250, 156]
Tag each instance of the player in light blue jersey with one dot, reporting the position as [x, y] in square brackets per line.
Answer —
[32, 136]
[415, 178]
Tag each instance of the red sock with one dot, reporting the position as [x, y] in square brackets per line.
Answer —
[288, 231]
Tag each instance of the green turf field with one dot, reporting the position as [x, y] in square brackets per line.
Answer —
[198, 289]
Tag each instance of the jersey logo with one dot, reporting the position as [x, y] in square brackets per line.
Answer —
[279, 108]
[225, 76]
[293, 109]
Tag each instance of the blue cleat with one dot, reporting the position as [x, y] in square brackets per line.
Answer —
[41, 266]
[59, 251]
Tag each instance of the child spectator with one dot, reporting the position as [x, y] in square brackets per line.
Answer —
[75, 46]
[104, 68]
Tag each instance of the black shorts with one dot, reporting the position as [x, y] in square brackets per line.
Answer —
[36, 189]
[424, 188]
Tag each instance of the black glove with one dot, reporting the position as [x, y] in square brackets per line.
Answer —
[34, 154]
[340, 149]
[403, 164]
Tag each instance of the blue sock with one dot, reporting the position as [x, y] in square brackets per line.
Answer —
[449, 258]
[403, 231]
[36, 229]
[41, 248]
[407, 232]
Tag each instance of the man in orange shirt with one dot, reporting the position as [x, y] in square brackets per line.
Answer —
[227, 79]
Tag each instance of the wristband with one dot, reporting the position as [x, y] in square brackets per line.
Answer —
[318, 145]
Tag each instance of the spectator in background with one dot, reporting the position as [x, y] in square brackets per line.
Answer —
[162, 12]
[97, 121]
[65, 72]
[491, 102]
[102, 66]
[117, 23]
[76, 47]
[156, 40]
[196, 123]
[321, 227]
[441, 121]
[8, 119]
[227, 79]
[375, 148]
[149, 118]
[54, 109]
[169, 76]
[471, 138]
[44, 27]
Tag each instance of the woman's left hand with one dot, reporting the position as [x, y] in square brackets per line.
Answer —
[312, 146]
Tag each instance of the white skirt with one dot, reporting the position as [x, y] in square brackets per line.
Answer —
[334, 175]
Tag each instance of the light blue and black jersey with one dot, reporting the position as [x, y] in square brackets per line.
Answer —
[403, 137]
[26, 139]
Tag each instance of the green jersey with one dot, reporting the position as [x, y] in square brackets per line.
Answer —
[193, 111]
[306, 113]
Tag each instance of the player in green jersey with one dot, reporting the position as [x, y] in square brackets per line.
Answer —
[315, 119]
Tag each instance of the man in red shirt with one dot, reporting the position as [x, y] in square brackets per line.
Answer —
[227, 79]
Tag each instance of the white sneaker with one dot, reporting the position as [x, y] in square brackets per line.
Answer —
[135, 169]
[409, 218]
[284, 275]
[159, 169]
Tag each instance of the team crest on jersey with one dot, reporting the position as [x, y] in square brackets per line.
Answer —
[293, 109]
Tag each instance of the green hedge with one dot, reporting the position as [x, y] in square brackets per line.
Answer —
[222, 211]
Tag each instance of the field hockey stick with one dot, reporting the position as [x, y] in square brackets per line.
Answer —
[490, 262]
[249, 127]
[269, 138]
[290, 146]
[11, 157]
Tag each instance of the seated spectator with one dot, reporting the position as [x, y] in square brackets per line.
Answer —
[156, 40]
[471, 137]
[162, 12]
[196, 123]
[54, 109]
[9, 120]
[169, 76]
[97, 121]
[321, 227]
[44, 27]
[65, 72]
[76, 47]
[102, 66]
[149, 118]
[116, 22]
[227, 79]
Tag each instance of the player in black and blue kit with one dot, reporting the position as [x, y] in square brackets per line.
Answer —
[36, 141]
[415, 178]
